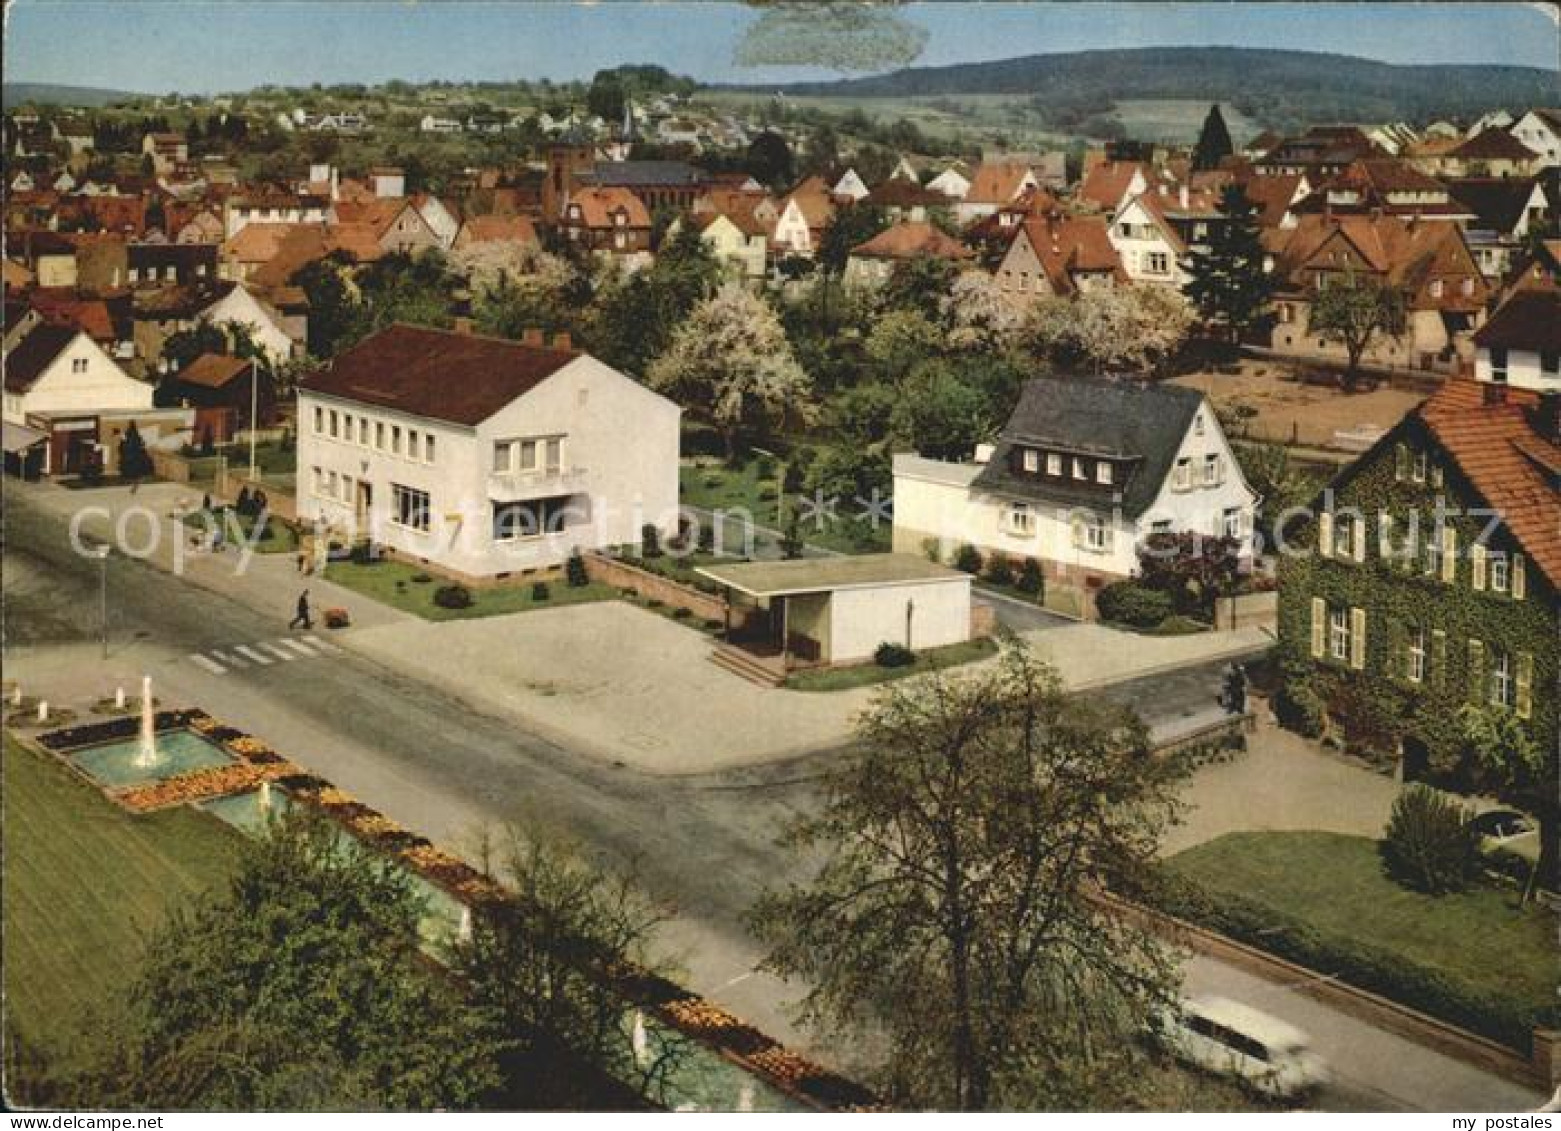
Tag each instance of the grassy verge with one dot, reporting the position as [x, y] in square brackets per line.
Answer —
[392, 583]
[83, 883]
[276, 538]
[1322, 900]
[754, 487]
[865, 675]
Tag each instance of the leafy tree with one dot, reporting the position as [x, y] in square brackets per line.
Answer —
[606, 97]
[955, 915]
[849, 227]
[134, 460]
[1229, 286]
[635, 318]
[940, 414]
[922, 284]
[336, 316]
[1123, 328]
[1193, 568]
[981, 319]
[770, 159]
[731, 365]
[1214, 142]
[1352, 312]
[301, 986]
[1507, 759]
[185, 346]
[539, 970]
[900, 341]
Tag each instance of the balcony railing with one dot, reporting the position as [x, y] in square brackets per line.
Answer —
[514, 486]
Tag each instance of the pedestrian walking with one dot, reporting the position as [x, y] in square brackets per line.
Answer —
[302, 619]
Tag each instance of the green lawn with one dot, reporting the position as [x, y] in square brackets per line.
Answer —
[84, 881]
[391, 583]
[1334, 884]
[865, 675]
[278, 538]
[717, 487]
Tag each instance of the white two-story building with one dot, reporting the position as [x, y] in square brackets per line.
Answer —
[480, 456]
[1082, 472]
[1521, 344]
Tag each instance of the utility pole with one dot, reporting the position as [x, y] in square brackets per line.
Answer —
[254, 411]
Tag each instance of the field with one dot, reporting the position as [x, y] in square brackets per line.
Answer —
[84, 883]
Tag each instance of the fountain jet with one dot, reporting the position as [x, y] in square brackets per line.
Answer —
[146, 753]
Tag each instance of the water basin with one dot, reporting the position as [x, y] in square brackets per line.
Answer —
[115, 764]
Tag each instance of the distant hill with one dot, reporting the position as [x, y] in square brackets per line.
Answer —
[1273, 87]
[39, 93]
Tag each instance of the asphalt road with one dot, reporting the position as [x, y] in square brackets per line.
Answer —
[704, 846]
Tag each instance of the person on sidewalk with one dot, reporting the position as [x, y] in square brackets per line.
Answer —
[302, 619]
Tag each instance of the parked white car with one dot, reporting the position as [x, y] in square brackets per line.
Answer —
[1236, 1040]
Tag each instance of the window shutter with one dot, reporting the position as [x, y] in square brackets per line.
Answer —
[1319, 627]
[1357, 638]
[1476, 670]
[1524, 700]
[1438, 475]
[1358, 538]
[1449, 554]
[1385, 537]
[1400, 463]
[1077, 524]
[1519, 578]
[1325, 534]
[1398, 649]
[1411, 544]
[1438, 657]
[1477, 566]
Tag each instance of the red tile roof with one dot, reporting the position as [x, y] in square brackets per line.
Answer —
[1493, 144]
[1107, 183]
[213, 370]
[597, 206]
[997, 182]
[912, 240]
[1499, 449]
[1069, 245]
[497, 229]
[439, 374]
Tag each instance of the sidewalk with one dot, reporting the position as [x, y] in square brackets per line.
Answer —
[268, 583]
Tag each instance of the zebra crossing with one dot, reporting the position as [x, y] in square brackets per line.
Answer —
[259, 654]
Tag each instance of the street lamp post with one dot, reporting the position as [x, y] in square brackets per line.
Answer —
[254, 411]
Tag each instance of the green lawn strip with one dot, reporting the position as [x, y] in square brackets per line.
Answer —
[716, 487]
[84, 882]
[866, 675]
[282, 539]
[1321, 899]
[378, 581]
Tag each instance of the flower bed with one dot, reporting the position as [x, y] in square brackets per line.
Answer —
[202, 785]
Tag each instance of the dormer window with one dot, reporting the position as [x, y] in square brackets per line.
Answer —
[1436, 288]
[1053, 463]
[1032, 460]
[1103, 473]
[1078, 468]
[1499, 365]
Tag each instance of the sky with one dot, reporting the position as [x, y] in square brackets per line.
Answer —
[208, 46]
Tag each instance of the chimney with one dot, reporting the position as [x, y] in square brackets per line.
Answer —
[1182, 196]
[463, 325]
[532, 336]
[561, 341]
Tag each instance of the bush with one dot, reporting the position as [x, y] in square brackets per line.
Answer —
[650, 541]
[999, 571]
[968, 559]
[364, 553]
[1178, 625]
[1429, 845]
[575, 572]
[764, 468]
[713, 481]
[421, 578]
[933, 549]
[453, 597]
[768, 494]
[1128, 602]
[682, 613]
[540, 591]
[1299, 707]
[890, 655]
[1031, 579]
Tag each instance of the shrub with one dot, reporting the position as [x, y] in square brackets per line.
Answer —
[1178, 625]
[453, 597]
[1031, 579]
[768, 494]
[682, 613]
[575, 572]
[650, 541]
[889, 655]
[421, 578]
[1429, 845]
[999, 571]
[654, 602]
[540, 591]
[711, 625]
[764, 468]
[933, 549]
[364, 553]
[968, 558]
[1127, 602]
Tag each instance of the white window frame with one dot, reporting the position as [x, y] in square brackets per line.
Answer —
[1211, 469]
[1498, 665]
[1498, 571]
[1019, 520]
[1031, 460]
[1339, 633]
[1415, 654]
[1103, 472]
[1053, 463]
[403, 500]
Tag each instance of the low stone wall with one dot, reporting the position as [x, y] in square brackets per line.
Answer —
[1247, 610]
[654, 587]
[226, 487]
[167, 465]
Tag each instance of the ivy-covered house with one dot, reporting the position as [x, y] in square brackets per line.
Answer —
[1426, 583]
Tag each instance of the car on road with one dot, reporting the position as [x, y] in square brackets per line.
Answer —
[1507, 830]
[1232, 1039]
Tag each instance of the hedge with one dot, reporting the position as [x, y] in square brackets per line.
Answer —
[1500, 1018]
